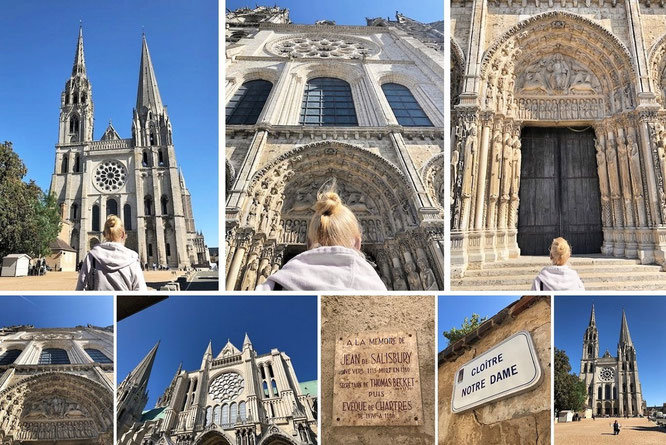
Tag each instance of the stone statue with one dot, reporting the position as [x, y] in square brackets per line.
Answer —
[427, 276]
[398, 282]
[412, 277]
[250, 278]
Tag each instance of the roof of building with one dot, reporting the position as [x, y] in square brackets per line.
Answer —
[59, 244]
[309, 388]
[153, 414]
[18, 255]
[453, 351]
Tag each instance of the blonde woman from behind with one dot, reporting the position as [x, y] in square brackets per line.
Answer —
[111, 265]
[334, 260]
[559, 276]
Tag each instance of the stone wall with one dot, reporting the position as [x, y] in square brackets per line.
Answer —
[521, 419]
[346, 314]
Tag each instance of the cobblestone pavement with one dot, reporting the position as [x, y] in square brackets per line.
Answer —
[600, 432]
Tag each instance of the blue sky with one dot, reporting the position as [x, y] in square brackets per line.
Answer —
[351, 12]
[452, 311]
[645, 317]
[186, 324]
[38, 41]
[56, 311]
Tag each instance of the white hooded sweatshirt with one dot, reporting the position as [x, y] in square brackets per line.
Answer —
[557, 278]
[325, 269]
[111, 266]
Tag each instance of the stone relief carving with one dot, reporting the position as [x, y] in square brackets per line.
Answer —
[560, 109]
[557, 74]
[323, 46]
[53, 407]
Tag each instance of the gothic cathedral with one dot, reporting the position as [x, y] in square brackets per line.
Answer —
[613, 385]
[137, 179]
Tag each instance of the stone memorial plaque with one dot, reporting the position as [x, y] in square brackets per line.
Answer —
[377, 380]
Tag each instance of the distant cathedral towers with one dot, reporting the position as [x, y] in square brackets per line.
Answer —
[137, 179]
[613, 385]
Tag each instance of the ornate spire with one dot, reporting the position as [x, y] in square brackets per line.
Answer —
[625, 337]
[247, 342]
[141, 373]
[79, 66]
[593, 321]
[148, 94]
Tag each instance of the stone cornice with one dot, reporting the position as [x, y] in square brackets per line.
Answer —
[361, 29]
[410, 132]
[319, 60]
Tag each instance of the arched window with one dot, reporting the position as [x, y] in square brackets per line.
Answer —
[95, 218]
[111, 207]
[234, 413]
[150, 249]
[76, 97]
[608, 392]
[216, 415]
[585, 368]
[74, 212]
[97, 356]
[64, 166]
[53, 356]
[328, 101]
[168, 249]
[148, 205]
[127, 216]
[77, 164]
[9, 356]
[266, 394]
[160, 158]
[225, 414]
[406, 109]
[614, 392]
[83, 98]
[242, 412]
[74, 124]
[275, 390]
[599, 393]
[165, 204]
[184, 403]
[153, 137]
[245, 106]
[209, 416]
[145, 159]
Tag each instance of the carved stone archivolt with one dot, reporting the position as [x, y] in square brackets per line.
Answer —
[279, 205]
[433, 176]
[56, 406]
[323, 46]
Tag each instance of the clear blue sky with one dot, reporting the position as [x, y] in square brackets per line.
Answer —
[185, 324]
[351, 12]
[38, 42]
[645, 317]
[56, 311]
[452, 311]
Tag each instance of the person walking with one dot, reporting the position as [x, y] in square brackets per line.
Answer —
[334, 260]
[558, 276]
[616, 428]
[111, 265]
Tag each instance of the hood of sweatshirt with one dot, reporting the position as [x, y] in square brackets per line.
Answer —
[111, 257]
[560, 278]
[328, 268]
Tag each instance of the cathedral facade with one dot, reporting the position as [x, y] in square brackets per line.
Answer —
[361, 104]
[137, 179]
[558, 129]
[56, 385]
[237, 397]
[613, 386]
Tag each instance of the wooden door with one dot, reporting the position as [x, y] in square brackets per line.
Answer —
[559, 191]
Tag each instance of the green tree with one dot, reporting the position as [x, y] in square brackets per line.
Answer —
[570, 391]
[29, 219]
[455, 334]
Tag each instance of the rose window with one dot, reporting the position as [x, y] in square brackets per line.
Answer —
[607, 374]
[326, 47]
[110, 176]
[227, 387]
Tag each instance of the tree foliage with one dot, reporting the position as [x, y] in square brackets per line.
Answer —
[570, 391]
[454, 334]
[29, 218]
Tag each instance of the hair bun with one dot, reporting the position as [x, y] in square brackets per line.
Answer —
[328, 203]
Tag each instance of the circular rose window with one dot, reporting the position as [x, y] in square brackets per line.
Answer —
[607, 374]
[110, 176]
[226, 387]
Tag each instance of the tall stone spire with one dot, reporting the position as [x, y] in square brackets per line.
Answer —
[625, 337]
[133, 393]
[148, 94]
[590, 341]
[247, 343]
[79, 66]
[593, 321]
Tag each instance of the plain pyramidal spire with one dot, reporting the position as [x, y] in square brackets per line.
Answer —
[247, 341]
[142, 372]
[625, 337]
[593, 321]
[79, 66]
[148, 94]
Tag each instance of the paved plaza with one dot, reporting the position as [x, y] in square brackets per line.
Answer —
[66, 281]
[635, 431]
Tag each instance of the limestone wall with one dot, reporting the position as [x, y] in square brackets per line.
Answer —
[345, 314]
[522, 419]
